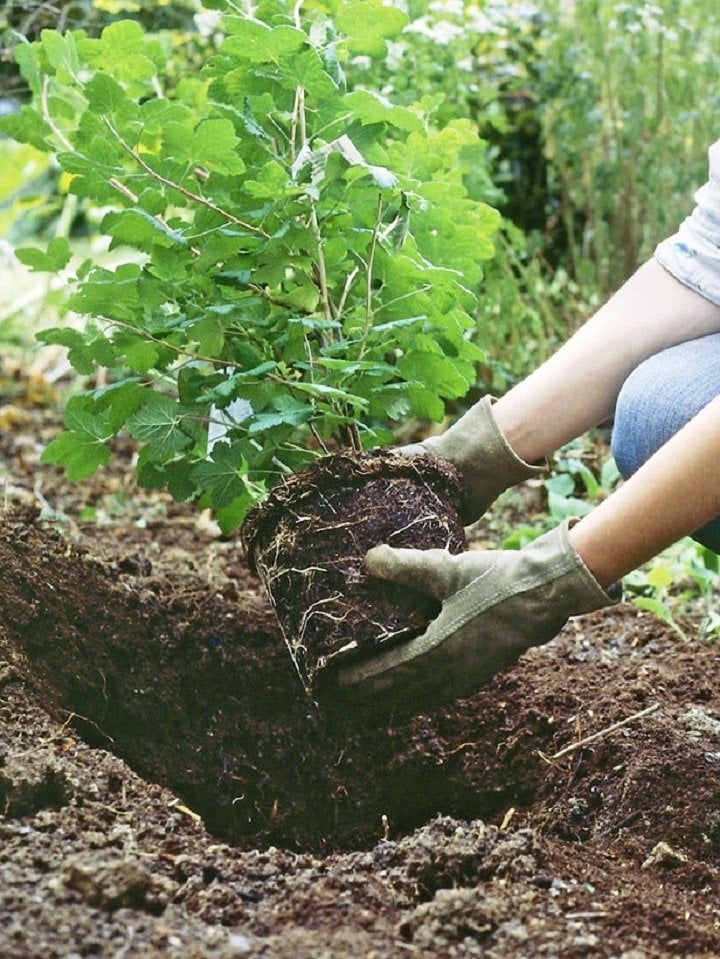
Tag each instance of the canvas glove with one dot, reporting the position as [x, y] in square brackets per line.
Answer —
[495, 605]
[477, 448]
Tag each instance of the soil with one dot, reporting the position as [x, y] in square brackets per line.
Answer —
[167, 789]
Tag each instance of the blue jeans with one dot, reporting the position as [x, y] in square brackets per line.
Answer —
[658, 398]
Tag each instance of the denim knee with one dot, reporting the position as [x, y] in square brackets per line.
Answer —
[658, 398]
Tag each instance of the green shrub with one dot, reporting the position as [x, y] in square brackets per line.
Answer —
[297, 262]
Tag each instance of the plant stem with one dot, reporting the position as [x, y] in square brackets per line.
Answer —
[48, 118]
[188, 194]
[368, 279]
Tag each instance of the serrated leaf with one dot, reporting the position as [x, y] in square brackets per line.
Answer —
[159, 424]
[123, 52]
[134, 227]
[440, 373]
[368, 25]
[271, 184]
[61, 53]
[304, 296]
[84, 349]
[118, 401]
[140, 354]
[256, 42]
[224, 474]
[306, 70]
[209, 334]
[368, 106]
[269, 420]
[215, 146]
[105, 95]
[325, 391]
[81, 453]
[231, 516]
[27, 126]
[55, 258]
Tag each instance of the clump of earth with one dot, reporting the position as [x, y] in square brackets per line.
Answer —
[167, 789]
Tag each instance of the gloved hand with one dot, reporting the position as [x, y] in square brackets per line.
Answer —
[475, 445]
[495, 605]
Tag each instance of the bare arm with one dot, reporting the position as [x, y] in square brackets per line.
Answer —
[576, 388]
[673, 494]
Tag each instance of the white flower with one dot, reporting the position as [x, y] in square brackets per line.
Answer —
[453, 8]
[207, 22]
[396, 52]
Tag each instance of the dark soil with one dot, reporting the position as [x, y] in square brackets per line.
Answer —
[166, 789]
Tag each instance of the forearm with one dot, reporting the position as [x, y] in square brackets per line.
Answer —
[673, 494]
[577, 387]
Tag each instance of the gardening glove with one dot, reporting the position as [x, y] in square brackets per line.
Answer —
[495, 605]
[477, 448]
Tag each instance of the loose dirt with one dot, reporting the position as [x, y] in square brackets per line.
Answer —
[166, 789]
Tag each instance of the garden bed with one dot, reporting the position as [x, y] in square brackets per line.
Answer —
[166, 789]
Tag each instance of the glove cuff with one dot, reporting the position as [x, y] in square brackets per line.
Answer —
[477, 447]
[582, 591]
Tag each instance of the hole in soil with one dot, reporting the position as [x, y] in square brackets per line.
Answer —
[194, 689]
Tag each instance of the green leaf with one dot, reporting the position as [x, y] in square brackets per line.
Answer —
[306, 70]
[231, 516]
[256, 42]
[660, 577]
[135, 227]
[367, 107]
[215, 146]
[84, 350]
[53, 260]
[325, 391]
[368, 25]
[106, 95]
[271, 184]
[267, 421]
[27, 126]
[440, 373]
[79, 451]
[657, 608]
[117, 401]
[158, 423]
[305, 296]
[123, 52]
[224, 475]
[61, 53]
[140, 354]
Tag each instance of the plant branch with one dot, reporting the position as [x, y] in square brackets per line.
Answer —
[48, 118]
[346, 291]
[188, 194]
[179, 351]
[368, 278]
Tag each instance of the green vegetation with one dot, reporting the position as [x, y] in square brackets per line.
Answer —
[298, 260]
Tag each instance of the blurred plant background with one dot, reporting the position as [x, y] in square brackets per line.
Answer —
[595, 118]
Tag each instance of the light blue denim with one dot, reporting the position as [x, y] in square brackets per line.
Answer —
[658, 398]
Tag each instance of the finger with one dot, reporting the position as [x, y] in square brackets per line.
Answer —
[413, 449]
[419, 568]
[431, 571]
